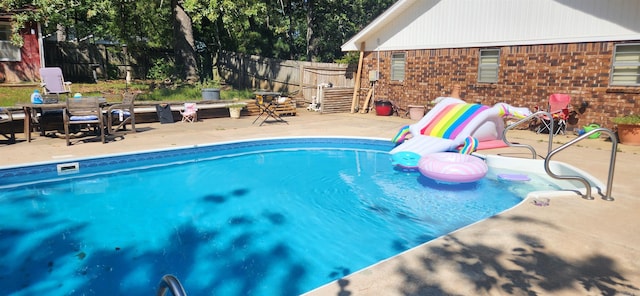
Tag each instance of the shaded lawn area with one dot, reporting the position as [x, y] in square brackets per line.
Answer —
[10, 95]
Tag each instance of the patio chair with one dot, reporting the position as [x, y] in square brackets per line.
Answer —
[122, 114]
[42, 119]
[53, 81]
[82, 113]
[6, 121]
[267, 103]
[559, 109]
[190, 112]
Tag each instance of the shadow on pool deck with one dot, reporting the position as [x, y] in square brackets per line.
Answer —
[572, 246]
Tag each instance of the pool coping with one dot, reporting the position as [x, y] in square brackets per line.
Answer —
[92, 164]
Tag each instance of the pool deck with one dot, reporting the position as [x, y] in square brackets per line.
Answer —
[572, 246]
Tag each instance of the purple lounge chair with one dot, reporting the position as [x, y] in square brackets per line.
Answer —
[53, 81]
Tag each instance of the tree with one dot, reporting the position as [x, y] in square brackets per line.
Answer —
[184, 46]
[312, 39]
[287, 29]
[27, 11]
[331, 23]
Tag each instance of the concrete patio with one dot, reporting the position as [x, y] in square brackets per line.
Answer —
[571, 247]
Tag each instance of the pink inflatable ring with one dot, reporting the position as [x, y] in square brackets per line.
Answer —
[452, 167]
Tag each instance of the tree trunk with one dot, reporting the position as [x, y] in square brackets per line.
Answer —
[184, 46]
[311, 42]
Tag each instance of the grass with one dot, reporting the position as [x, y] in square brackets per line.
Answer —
[112, 90]
[190, 93]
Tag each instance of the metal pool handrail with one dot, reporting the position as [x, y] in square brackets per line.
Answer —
[612, 163]
[528, 118]
[170, 283]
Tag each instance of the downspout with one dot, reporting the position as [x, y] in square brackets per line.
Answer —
[40, 45]
[377, 68]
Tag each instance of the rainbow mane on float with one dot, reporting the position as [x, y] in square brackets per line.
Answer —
[450, 121]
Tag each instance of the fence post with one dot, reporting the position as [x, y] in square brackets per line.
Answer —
[301, 82]
[356, 87]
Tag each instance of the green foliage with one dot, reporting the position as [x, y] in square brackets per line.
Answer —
[295, 29]
[45, 10]
[112, 71]
[232, 94]
[628, 119]
[237, 105]
[208, 83]
[191, 93]
[351, 58]
[334, 22]
[161, 69]
[172, 94]
[10, 96]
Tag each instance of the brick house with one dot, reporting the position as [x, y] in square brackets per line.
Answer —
[19, 64]
[518, 52]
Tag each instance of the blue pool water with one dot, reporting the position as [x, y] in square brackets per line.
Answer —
[274, 217]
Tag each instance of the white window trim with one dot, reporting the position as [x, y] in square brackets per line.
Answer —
[618, 65]
[398, 65]
[486, 68]
[8, 51]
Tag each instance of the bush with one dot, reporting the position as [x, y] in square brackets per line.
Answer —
[628, 119]
[161, 69]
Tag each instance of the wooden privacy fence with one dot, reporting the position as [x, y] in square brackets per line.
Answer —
[298, 79]
[109, 61]
[293, 78]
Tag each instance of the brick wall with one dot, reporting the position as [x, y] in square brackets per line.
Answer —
[527, 76]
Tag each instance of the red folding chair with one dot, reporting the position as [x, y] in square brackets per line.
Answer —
[559, 109]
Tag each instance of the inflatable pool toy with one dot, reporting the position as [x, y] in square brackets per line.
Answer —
[513, 177]
[406, 160]
[470, 145]
[401, 135]
[491, 144]
[452, 167]
[451, 120]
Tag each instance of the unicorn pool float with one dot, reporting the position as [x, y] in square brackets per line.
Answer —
[452, 125]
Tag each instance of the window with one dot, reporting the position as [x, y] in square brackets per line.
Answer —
[488, 65]
[8, 51]
[397, 66]
[626, 65]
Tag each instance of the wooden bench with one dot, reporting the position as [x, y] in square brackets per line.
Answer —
[147, 112]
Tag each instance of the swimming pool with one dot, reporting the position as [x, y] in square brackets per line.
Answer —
[264, 217]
